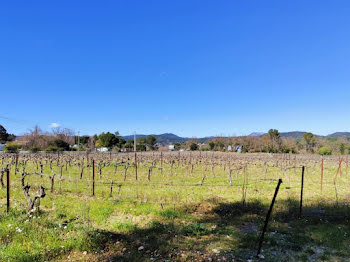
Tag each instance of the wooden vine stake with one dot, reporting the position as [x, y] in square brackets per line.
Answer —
[161, 162]
[135, 165]
[268, 217]
[301, 192]
[8, 190]
[321, 175]
[339, 169]
[17, 156]
[93, 177]
[111, 191]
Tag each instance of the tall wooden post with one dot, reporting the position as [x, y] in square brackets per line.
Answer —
[93, 177]
[161, 162]
[17, 156]
[321, 175]
[135, 165]
[8, 190]
[134, 141]
[78, 141]
[301, 192]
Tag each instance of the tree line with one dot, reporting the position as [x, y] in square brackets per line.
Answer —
[272, 142]
[64, 139]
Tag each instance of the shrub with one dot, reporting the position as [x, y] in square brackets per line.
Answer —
[11, 147]
[140, 147]
[325, 151]
[52, 148]
[58, 145]
[193, 147]
[211, 145]
[34, 149]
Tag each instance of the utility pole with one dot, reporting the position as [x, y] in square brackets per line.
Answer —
[78, 140]
[135, 141]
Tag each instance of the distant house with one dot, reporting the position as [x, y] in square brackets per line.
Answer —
[172, 147]
[126, 149]
[201, 145]
[229, 148]
[2, 147]
[239, 149]
[102, 149]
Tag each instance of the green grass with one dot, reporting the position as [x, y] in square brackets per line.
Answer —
[173, 217]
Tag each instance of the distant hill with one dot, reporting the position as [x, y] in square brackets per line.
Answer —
[294, 134]
[169, 138]
[299, 135]
[257, 134]
[164, 139]
[339, 134]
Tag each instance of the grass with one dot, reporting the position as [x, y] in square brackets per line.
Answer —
[174, 218]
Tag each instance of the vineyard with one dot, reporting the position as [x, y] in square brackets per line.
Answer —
[173, 206]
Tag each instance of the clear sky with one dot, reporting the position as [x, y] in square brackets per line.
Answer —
[193, 68]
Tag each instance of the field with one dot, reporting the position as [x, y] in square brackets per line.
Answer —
[174, 206]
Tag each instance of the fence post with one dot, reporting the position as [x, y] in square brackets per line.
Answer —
[161, 162]
[135, 165]
[17, 156]
[111, 192]
[321, 175]
[268, 217]
[8, 190]
[301, 192]
[93, 177]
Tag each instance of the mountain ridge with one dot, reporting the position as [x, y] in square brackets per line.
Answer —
[170, 138]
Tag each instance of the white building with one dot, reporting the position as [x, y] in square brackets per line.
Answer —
[2, 147]
[102, 149]
[171, 147]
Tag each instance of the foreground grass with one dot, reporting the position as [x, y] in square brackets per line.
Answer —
[173, 218]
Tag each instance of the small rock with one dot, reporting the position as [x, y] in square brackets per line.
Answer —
[85, 252]
[141, 248]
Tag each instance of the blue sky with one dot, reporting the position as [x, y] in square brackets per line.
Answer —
[193, 68]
